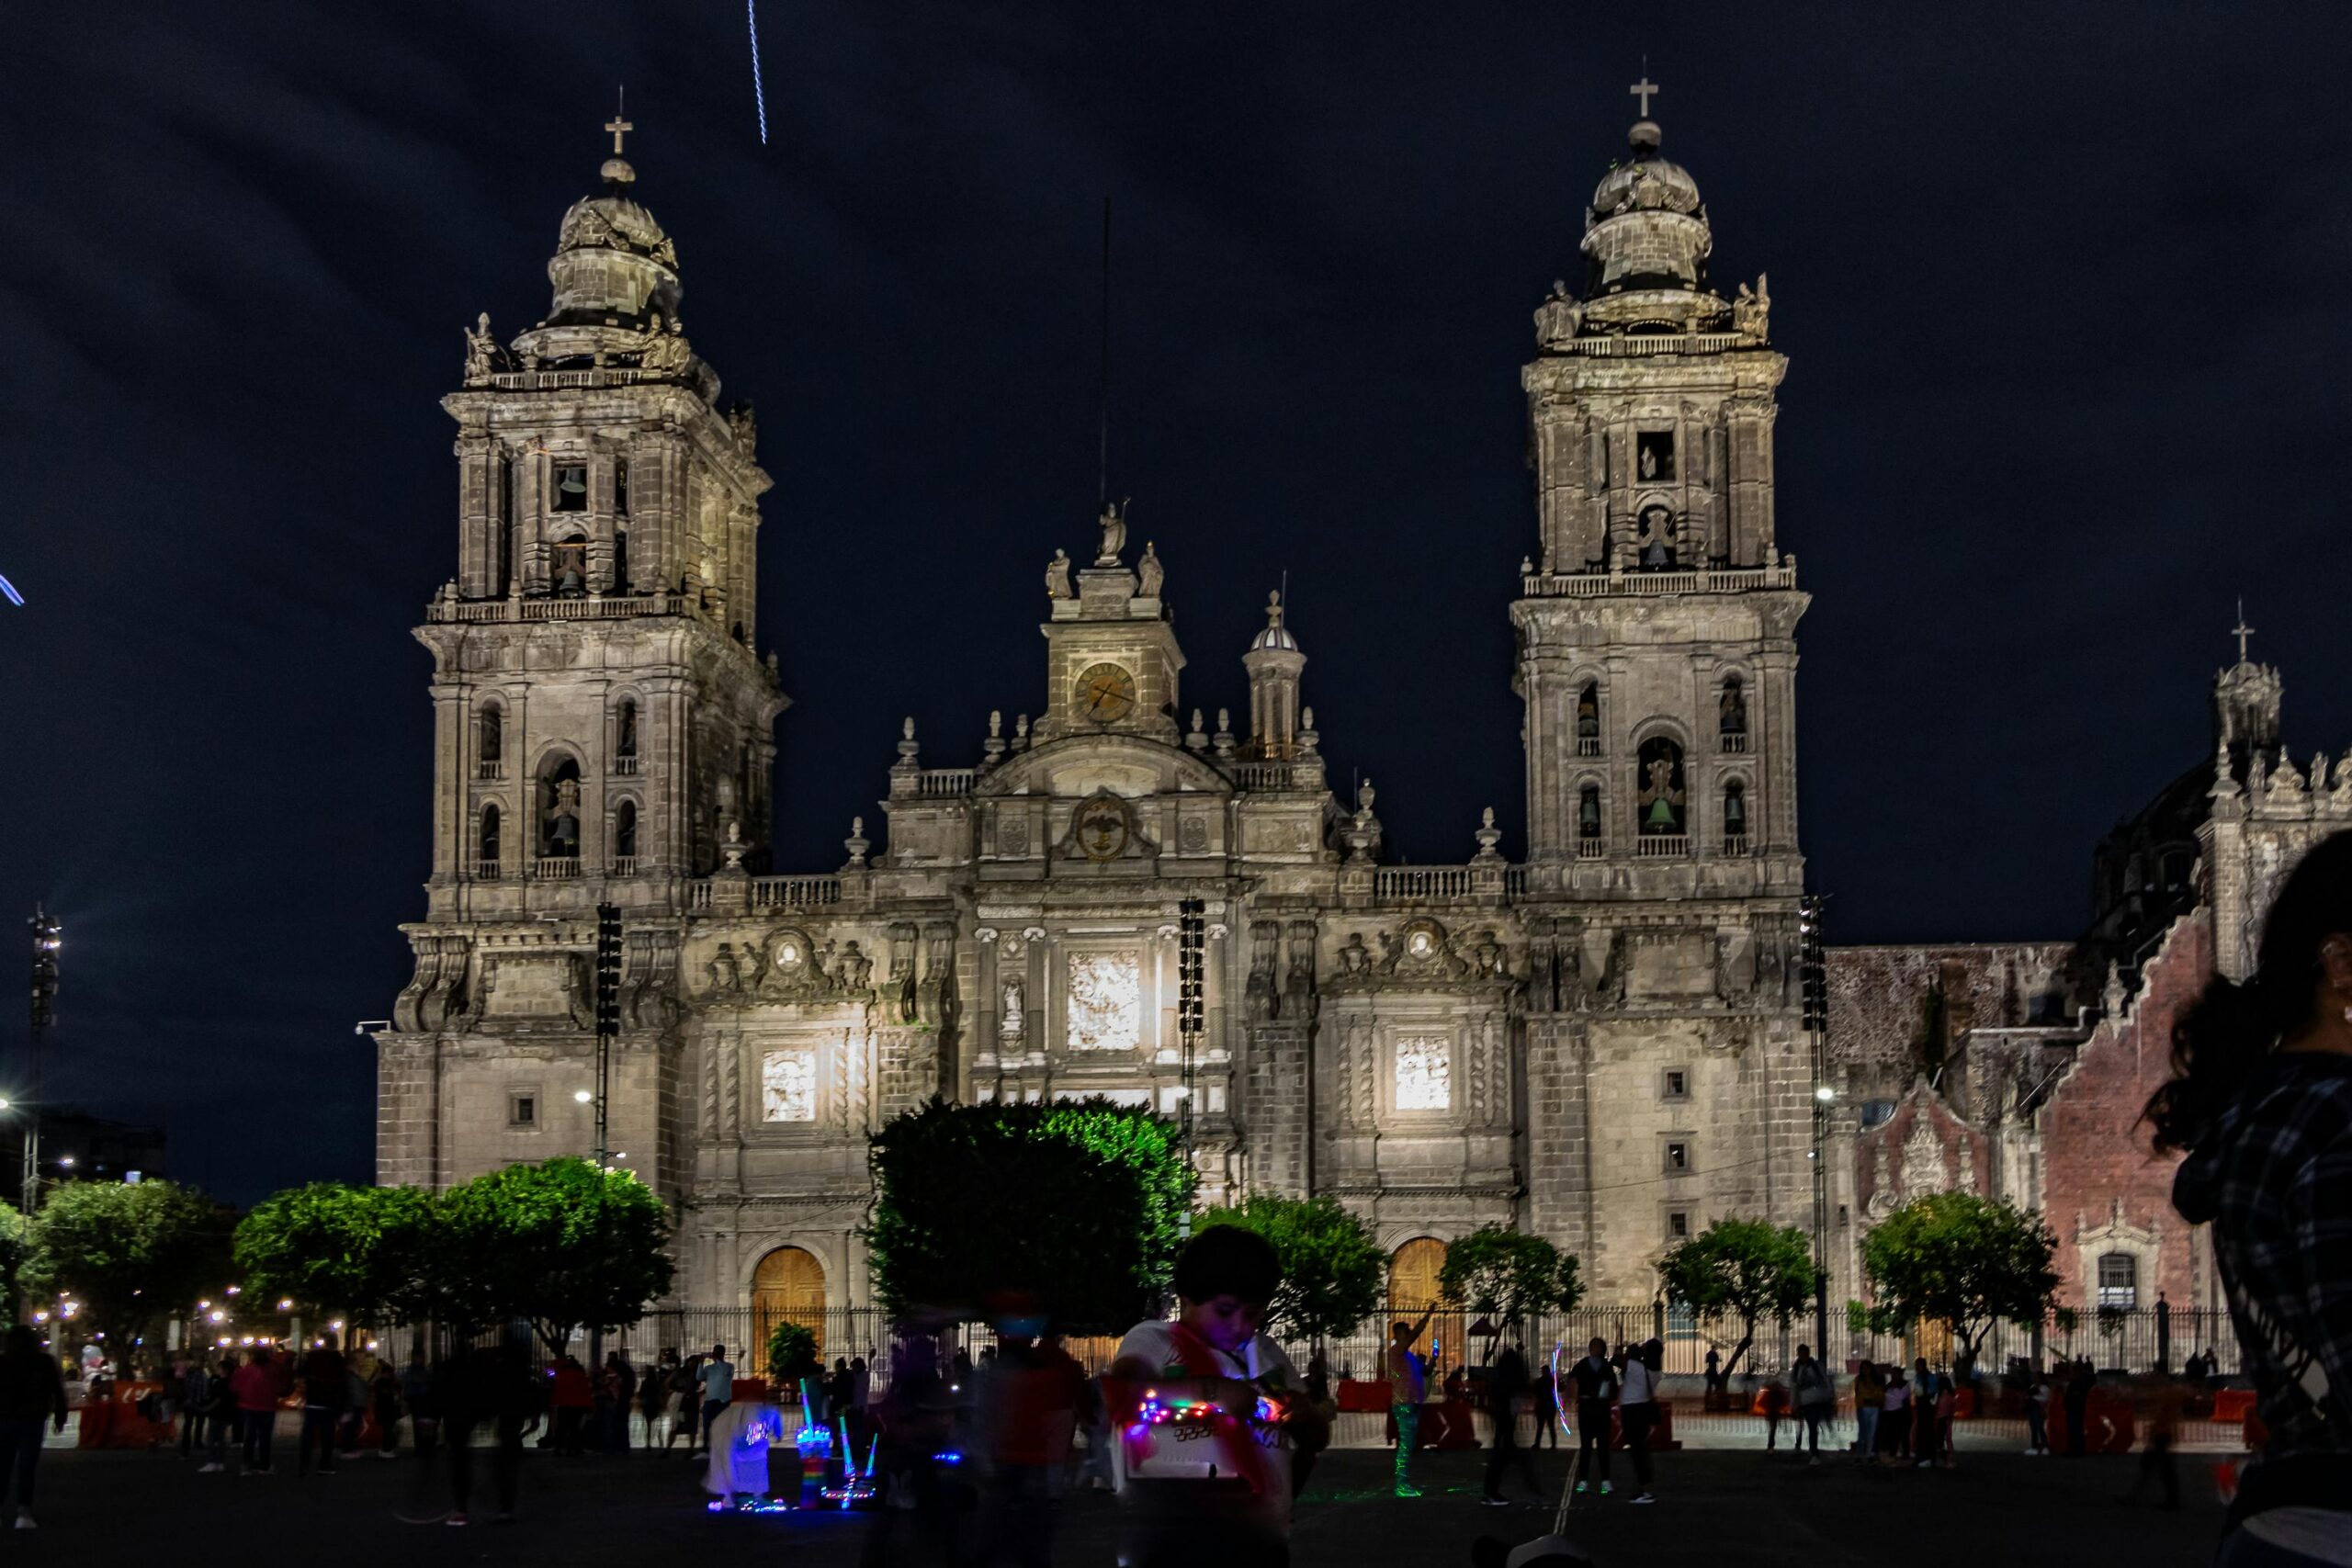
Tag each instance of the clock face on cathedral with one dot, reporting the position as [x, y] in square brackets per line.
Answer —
[1107, 694]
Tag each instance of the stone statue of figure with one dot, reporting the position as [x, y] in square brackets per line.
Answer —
[482, 351]
[1559, 317]
[1115, 532]
[1150, 572]
[1650, 462]
[666, 351]
[1058, 576]
[1752, 309]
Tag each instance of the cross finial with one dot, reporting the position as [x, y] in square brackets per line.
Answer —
[618, 126]
[1642, 90]
[2241, 631]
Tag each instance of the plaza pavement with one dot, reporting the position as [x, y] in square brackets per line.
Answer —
[1715, 1508]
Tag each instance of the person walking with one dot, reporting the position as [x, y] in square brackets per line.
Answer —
[1714, 1376]
[1816, 1399]
[326, 1389]
[2080, 1381]
[2155, 1454]
[420, 1392]
[717, 1391]
[1869, 1399]
[619, 1391]
[1639, 1411]
[2037, 1415]
[1926, 1387]
[255, 1386]
[2261, 1104]
[1775, 1399]
[196, 1387]
[1895, 1426]
[32, 1396]
[1597, 1385]
[1409, 1386]
[572, 1397]
[685, 1404]
[1506, 1387]
[384, 1404]
[493, 1388]
[1547, 1410]
[218, 1416]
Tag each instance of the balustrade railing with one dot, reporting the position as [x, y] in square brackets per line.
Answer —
[610, 608]
[794, 892]
[487, 871]
[1591, 849]
[947, 781]
[624, 866]
[555, 867]
[624, 767]
[1262, 775]
[1735, 844]
[1588, 746]
[1421, 882]
[1732, 742]
[1661, 846]
[1688, 580]
[489, 771]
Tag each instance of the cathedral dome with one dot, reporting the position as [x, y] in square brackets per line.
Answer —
[1646, 242]
[612, 260]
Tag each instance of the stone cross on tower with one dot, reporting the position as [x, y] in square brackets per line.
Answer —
[1642, 90]
[2241, 631]
[616, 125]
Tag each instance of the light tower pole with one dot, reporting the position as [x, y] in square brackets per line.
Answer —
[1191, 951]
[48, 936]
[1815, 975]
[608, 1023]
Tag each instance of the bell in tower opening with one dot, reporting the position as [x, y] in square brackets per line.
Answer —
[1661, 798]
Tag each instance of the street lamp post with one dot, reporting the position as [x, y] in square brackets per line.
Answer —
[48, 936]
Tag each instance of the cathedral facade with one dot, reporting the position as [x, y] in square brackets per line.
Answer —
[1602, 1044]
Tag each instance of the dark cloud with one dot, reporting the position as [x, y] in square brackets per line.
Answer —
[2062, 287]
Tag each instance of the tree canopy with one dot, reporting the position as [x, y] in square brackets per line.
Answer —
[1078, 1203]
[1958, 1258]
[1747, 1268]
[1498, 1271]
[1334, 1273]
[131, 1255]
[560, 1244]
[16, 1249]
[368, 1251]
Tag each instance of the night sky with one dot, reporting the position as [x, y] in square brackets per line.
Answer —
[2064, 289]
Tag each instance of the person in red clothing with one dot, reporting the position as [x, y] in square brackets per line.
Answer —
[1028, 1413]
[255, 1387]
[572, 1397]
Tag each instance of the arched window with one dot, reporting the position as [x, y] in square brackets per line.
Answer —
[490, 741]
[559, 833]
[1589, 720]
[624, 736]
[2118, 1281]
[1412, 1274]
[1731, 714]
[569, 573]
[486, 843]
[571, 488]
[1588, 815]
[1735, 819]
[625, 830]
[1659, 803]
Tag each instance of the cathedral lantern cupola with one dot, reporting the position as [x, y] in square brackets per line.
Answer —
[1275, 662]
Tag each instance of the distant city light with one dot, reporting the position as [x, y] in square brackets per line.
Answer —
[65, 1159]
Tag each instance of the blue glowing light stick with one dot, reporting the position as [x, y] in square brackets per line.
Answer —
[759, 93]
[10, 589]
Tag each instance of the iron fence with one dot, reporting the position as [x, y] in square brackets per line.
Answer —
[2114, 1341]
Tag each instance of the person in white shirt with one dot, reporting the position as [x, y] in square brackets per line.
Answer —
[1637, 1408]
[1216, 1491]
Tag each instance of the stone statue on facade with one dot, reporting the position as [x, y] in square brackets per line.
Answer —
[1058, 577]
[1355, 958]
[1559, 319]
[746, 426]
[1752, 309]
[1150, 572]
[857, 970]
[666, 351]
[1115, 532]
[481, 352]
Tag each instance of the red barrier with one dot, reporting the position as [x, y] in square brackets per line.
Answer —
[2233, 1404]
[2109, 1416]
[114, 1422]
[1364, 1394]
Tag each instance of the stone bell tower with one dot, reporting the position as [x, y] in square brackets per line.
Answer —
[1669, 1077]
[602, 729]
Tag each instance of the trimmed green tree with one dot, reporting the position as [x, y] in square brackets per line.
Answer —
[1497, 1271]
[1746, 1269]
[561, 1245]
[131, 1255]
[15, 1250]
[1958, 1258]
[792, 1356]
[1334, 1273]
[1081, 1204]
[370, 1252]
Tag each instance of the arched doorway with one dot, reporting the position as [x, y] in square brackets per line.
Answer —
[789, 1286]
[1412, 1275]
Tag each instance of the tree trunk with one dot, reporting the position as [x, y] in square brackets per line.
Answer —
[1747, 1337]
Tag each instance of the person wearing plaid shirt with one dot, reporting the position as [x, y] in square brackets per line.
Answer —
[2263, 1105]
